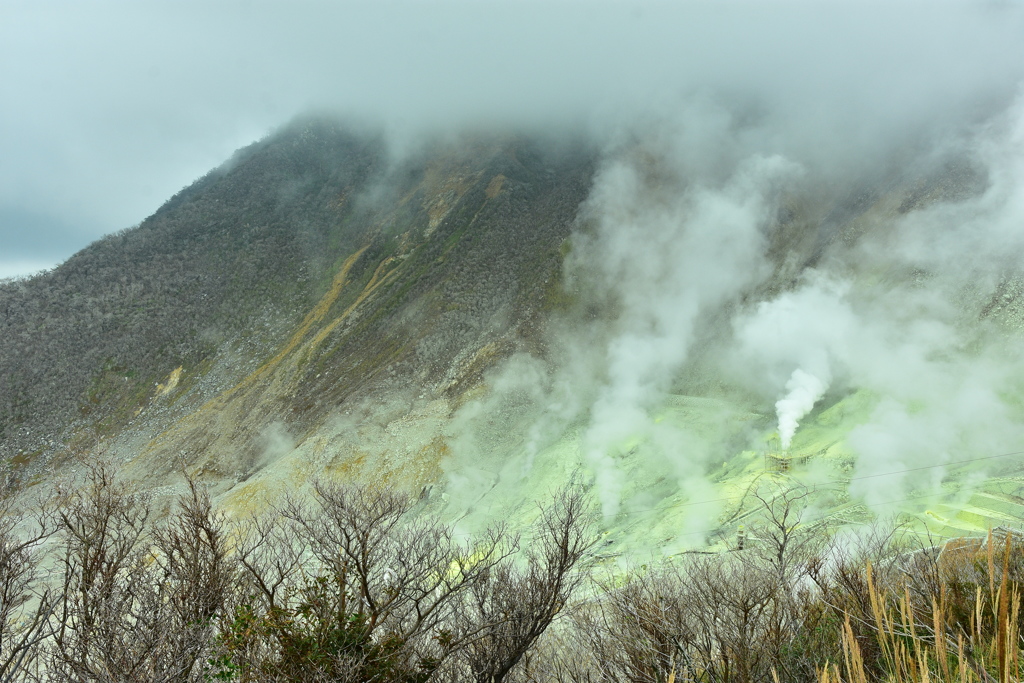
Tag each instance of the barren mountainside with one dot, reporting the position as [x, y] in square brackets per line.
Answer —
[310, 248]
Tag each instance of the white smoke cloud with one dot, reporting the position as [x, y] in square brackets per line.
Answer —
[809, 328]
[675, 227]
[921, 312]
[669, 257]
[803, 391]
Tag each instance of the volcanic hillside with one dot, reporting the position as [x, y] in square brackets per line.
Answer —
[487, 315]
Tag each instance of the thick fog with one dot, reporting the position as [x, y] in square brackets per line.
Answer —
[111, 107]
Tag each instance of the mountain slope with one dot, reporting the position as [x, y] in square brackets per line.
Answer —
[682, 317]
[306, 270]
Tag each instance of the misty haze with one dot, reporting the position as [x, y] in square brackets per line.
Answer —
[501, 341]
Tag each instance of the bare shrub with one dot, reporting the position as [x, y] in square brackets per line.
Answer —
[725, 617]
[358, 584]
[637, 631]
[351, 586]
[136, 602]
[518, 601]
[25, 600]
[107, 618]
[781, 535]
[197, 575]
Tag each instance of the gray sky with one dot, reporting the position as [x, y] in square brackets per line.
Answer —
[108, 108]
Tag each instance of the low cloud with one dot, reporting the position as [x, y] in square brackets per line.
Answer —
[111, 108]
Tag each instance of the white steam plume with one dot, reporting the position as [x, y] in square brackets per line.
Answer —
[679, 227]
[803, 391]
[676, 227]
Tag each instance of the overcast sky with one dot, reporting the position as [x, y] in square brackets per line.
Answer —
[108, 108]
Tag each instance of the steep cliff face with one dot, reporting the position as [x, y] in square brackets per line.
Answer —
[678, 318]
